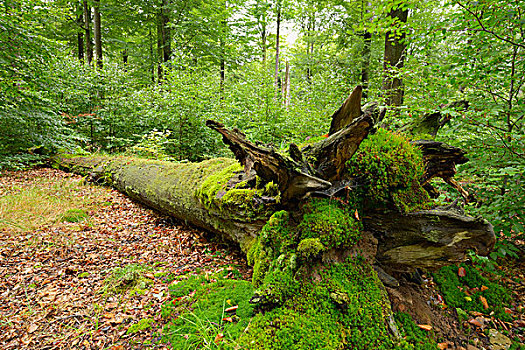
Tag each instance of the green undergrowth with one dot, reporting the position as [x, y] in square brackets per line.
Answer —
[74, 215]
[197, 312]
[129, 278]
[390, 169]
[412, 333]
[464, 292]
[344, 306]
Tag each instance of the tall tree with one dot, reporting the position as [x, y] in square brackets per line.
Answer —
[365, 53]
[97, 32]
[87, 31]
[394, 57]
[278, 25]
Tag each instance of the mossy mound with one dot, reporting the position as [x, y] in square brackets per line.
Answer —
[331, 223]
[390, 169]
[344, 306]
[314, 305]
[465, 292]
[198, 312]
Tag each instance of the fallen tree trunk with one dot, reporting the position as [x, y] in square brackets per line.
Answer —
[304, 218]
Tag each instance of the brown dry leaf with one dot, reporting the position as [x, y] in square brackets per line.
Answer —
[32, 327]
[484, 302]
[442, 346]
[228, 319]
[476, 313]
[475, 322]
[462, 272]
[218, 338]
[356, 214]
[426, 327]
[484, 288]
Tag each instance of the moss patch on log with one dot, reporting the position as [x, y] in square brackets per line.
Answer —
[331, 223]
[391, 170]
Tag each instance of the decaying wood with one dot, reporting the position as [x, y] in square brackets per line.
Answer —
[286, 172]
[441, 160]
[428, 239]
[330, 155]
[431, 122]
[350, 110]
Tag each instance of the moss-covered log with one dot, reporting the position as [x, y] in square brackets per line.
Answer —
[316, 224]
[209, 194]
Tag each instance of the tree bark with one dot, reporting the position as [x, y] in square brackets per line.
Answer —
[276, 75]
[97, 33]
[80, 37]
[394, 60]
[87, 31]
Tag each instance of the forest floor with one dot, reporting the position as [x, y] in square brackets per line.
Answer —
[84, 267]
[59, 280]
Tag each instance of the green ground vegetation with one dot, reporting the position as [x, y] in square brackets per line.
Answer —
[465, 292]
[197, 312]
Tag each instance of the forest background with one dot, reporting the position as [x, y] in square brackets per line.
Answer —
[142, 77]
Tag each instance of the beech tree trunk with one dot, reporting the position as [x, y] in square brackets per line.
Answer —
[87, 32]
[394, 60]
[97, 33]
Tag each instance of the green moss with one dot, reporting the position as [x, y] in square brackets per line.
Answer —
[310, 248]
[74, 215]
[140, 326]
[288, 329]
[412, 333]
[217, 182]
[331, 223]
[391, 168]
[455, 288]
[343, 307]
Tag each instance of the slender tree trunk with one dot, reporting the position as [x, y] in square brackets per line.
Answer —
[160, 49]
[276, 81]
[97, 32]
[394, 59]
[286, 85]
[125, 56]
[80, 38]
[152, 56]
[166, 32]
[87, 30]
[367, 43]
[163, 38]
[263, 44]
[365, 67]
